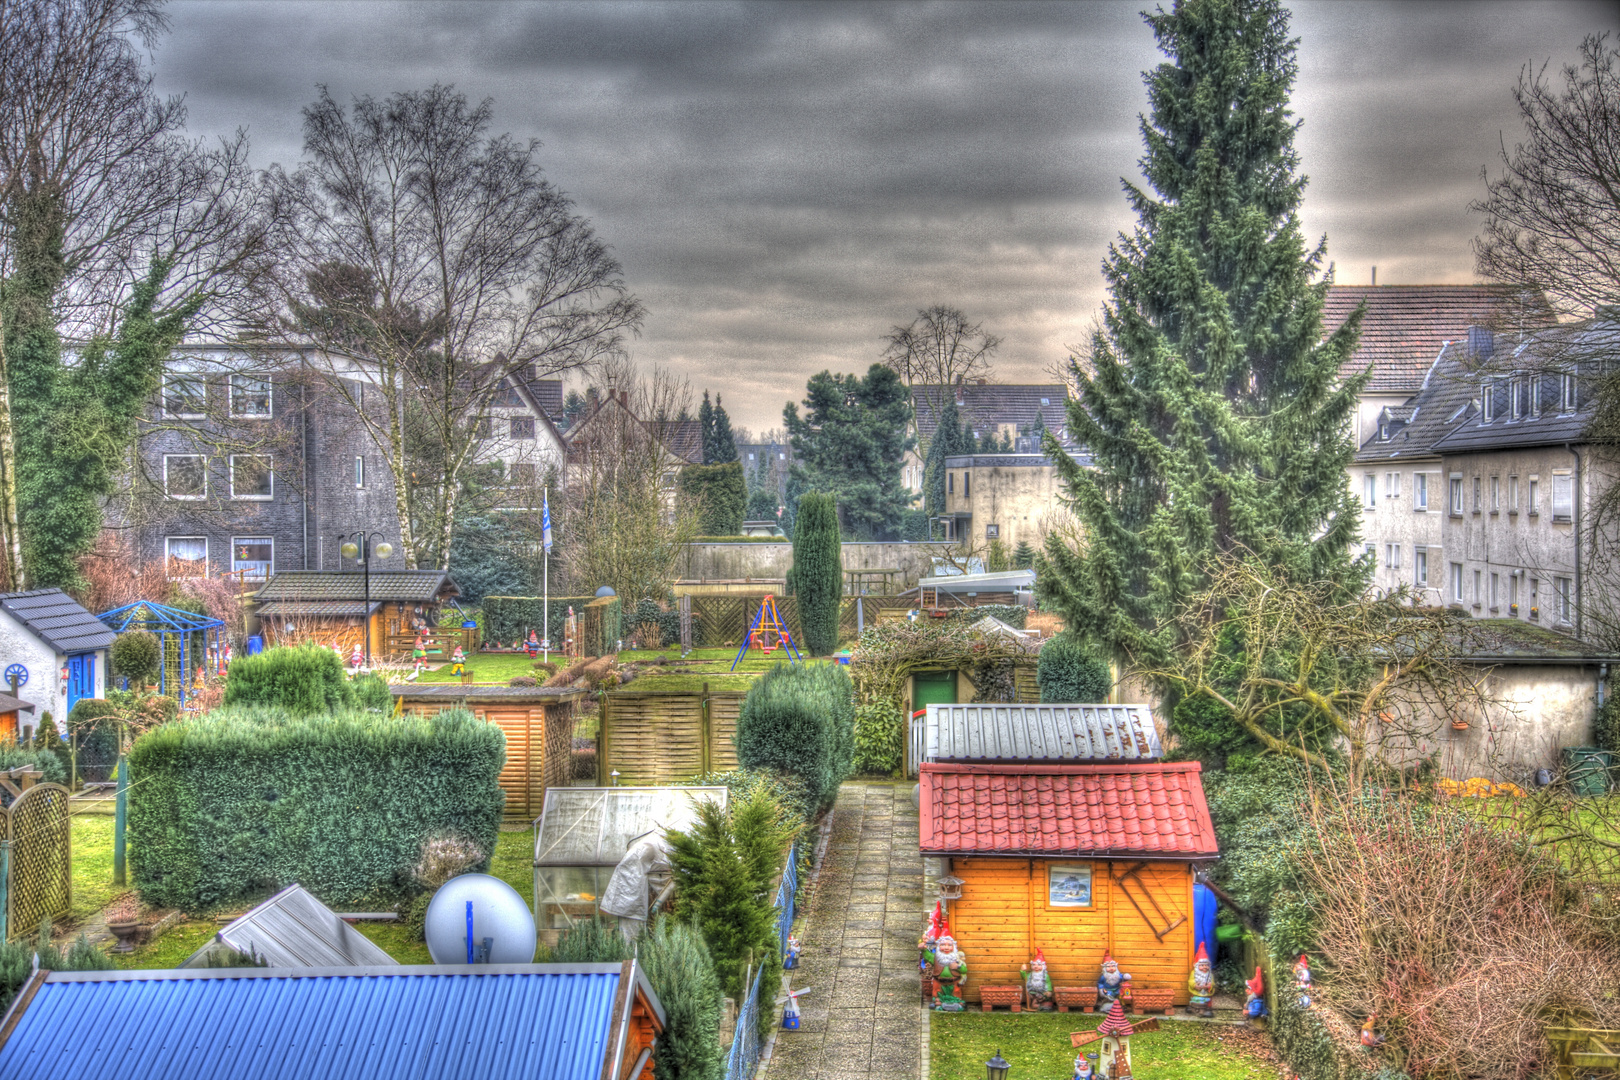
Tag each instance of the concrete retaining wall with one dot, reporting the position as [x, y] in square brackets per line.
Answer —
[748, 560]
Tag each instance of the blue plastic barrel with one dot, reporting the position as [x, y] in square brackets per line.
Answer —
[255, 645]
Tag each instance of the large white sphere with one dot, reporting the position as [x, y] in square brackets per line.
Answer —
[498, 912]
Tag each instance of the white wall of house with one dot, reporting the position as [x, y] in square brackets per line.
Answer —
[45, 688]
[1535, 711]
[1402, 520]
[1364, 424]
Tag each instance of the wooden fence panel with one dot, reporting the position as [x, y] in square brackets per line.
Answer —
[723, 710]
[651, 739]
[1025, 689]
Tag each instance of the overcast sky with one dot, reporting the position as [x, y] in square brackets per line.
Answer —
[785, 182]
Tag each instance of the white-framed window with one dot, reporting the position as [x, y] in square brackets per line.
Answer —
[1496, 586]
[1561, 599]
[1487, 401]
[1563, 502]
[1420, 490]
[1370, 491]
[359, 471]
[967, 482]
[1513, 494]
[1476, 588]
[507, 397]
[1392, 556]
[1477, 487]
[185, 476]
[252, 477]
[250, 396]
[522, 427]
[1371, 552]
[1392, 485]
[1535, 598]
[1420, 566]
[992, 532]
[1457, 582]
[1516, 397]
[1456, 496]
[1566, 392]
[254, 557]
[185, 395]
[185, 556]
[1496, 494]
[1513, 591]
[1533, 506]
[482, 429]
[1535, 395]
[950, 483]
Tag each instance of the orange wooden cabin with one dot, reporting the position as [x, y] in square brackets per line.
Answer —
[1076, 860]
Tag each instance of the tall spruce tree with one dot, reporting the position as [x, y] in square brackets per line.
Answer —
[1211, 404]
[706, 428]
[948, 439]
[851, 442]
[725, 444]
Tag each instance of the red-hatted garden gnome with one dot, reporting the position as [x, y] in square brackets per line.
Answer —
[458, 663]
[949, 966]
[1037, 983]
[1113, 984]
[1254, 1005]
[357, 659]
[1302, 980]
[1201, 984]
[418, 659]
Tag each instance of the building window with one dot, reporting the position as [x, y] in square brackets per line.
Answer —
[482, 429]
[950, 483]
[523, 473]
[1496, 582]
[1456, 582]
[507, 397]
[253, 557]
[1566, 392]
[1420, 490]
[1456, 496]
[1476, 588]
[1487, 401]
[1476, 495]
[1535, 598]
[359, 471]
[1496, 494]
[185, 476]
[522, 427]
[1513, 494]
[992, 532]
[1392, 485]
[1392, 556]
[1513, 592]
[1535, 396]
[1561, 604]
[185, 395]
[1370, 491]
[250, 397]
[1371, 552]
[1516, 388]
[252, 477]
[967, 480]
[1532, 506]
[1420, 566]
[1562, 497]
[186, 556]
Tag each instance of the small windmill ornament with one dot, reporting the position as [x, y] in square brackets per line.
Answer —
[790, 1003]
[1114, 1033]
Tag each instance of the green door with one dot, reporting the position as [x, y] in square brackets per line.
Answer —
[933, 688]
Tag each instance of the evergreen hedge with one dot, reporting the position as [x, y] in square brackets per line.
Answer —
[800, 719]
[723, 495]
[229, 807]
[510, 618]
[304, 679]
[1069, 671]
[816, 577]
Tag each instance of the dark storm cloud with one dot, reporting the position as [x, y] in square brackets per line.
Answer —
[783, 182]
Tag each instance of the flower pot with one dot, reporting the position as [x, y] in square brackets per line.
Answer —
[1459, 725]
[1070, 996]
[125, 931]
[1011, 996]
[1152, 1000]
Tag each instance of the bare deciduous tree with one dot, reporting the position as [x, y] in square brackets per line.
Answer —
[939, 348]
[467, 268]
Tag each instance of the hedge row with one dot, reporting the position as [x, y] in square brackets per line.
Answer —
[800, 719]
[510, 618]
[229, 807]
[302, 679]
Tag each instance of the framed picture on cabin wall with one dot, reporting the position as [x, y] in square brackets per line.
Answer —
[1068, 885]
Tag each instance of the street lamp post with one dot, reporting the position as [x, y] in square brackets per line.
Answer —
[358, 546]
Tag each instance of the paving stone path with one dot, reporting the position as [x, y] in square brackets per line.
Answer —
[863, 1019]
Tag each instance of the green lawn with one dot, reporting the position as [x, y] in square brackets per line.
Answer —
[172, 948]
[1036, 1045]
[699, 664]
[92, 839]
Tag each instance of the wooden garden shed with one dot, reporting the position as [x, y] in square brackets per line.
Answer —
[330, 607]
[539, 725]
[1076, 860]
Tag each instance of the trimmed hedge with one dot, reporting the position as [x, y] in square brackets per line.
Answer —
[304, 679]
[816, 578]
[510, 618]
[880, 738]
[1069, 671]
[648, 612]
[800, 719]
[229, 807]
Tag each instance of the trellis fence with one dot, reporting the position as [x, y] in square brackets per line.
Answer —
[719, 621]
[39, 885]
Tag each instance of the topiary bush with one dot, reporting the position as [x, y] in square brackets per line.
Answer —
[135, 656]
[303, 680]
[800, 719]
[880, 738]
[816, 577]
[228, 807]
[1069, 671]
[90, 713]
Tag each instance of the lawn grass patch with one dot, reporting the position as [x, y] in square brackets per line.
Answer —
[92, 837]
[397, 940]
[172, 948]
[1036, 1045]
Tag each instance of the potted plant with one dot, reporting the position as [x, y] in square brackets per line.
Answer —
[123, 919]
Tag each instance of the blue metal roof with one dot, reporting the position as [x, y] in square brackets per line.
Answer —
[536, 1021]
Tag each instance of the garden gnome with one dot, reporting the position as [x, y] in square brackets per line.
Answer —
[1369, 1037]
[458, 663]
[1201, 984]
[1302, 980]
[1037, 984]
[532, 645]
[950, 971]
[1082, 1067]
[418, 658]
[791, 960]
[925, 950]
[356, 657]
[1254, 1005]
[1113, 984]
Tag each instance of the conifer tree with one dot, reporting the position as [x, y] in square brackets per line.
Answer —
[706, 428]
[948, 439]
[816, 577]
[725, 444]
[1209, 401]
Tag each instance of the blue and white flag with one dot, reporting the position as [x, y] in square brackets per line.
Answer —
[545, 521]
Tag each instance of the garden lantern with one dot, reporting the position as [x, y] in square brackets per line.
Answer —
[360, 548]
[950, 887]
[996, 1068]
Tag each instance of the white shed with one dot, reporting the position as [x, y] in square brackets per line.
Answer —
[56, 649]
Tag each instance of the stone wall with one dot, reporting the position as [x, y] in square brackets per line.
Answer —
[721, 561]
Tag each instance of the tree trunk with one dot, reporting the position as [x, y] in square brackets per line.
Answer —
[11, 565]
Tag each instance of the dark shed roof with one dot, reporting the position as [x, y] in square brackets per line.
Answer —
[57, 619]
[402, 586]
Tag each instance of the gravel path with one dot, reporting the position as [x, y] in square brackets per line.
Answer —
[863, 1017]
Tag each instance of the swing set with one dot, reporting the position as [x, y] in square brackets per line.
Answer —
[767, 634]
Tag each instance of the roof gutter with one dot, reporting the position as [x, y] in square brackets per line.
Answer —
[1137, 856]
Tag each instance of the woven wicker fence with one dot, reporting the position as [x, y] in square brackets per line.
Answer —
[41, 889]
[718, 621]
[654, 739]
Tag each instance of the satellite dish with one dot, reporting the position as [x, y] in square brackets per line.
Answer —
[606, 590]
[479, 919]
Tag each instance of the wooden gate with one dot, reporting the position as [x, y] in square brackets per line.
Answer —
[37, 826]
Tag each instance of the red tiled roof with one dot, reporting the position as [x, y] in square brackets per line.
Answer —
[1153, 810]
[1405, 325]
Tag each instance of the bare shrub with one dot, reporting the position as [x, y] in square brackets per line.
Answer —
[1464, 938]
[445, 856]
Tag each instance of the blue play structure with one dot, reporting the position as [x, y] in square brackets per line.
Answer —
[173, 628]
[767, 623]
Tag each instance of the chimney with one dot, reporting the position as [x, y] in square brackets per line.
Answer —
[624, 398]
[1375, 275]
[1481, 343]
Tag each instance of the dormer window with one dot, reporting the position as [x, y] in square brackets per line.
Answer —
[1566, 392]
[1487, 402]
[1516, 397]
[1535, 395]
[1383, 428]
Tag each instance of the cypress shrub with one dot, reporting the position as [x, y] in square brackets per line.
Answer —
[1069, 671]
[799, 719]
[682, 974]
[816, 577]
[135, 656]
[510, 618]
[17, 960]
[303, 680]
[591, 942]
[231, 806]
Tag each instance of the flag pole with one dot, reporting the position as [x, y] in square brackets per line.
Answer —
[545, 573]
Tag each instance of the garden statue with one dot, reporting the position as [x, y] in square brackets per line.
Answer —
[1369, 1037]
[925, 950]
[1037, 983]
[458, 663]
[1254, 1004]
[1113, 984]
[1082, 1067]
[1302, 980]
[791, 960]
[418, 658]
[790, 1012]
[1116, 1032]
[356, 658]
[1201, 984]
[532, 646]
[949, 972]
